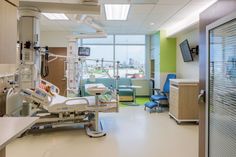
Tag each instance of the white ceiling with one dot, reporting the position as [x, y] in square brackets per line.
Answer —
[142, 12]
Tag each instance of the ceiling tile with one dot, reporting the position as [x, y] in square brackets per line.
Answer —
[142, 13]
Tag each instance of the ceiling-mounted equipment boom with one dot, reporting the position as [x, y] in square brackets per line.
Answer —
[89, 2]
[88, 20]
[66, 8]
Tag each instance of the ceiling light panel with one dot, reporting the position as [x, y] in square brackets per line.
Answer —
[56, 16]
[117, 11]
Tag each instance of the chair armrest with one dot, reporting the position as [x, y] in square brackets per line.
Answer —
[156, 89]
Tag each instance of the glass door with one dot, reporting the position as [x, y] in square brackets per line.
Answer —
[221, 93]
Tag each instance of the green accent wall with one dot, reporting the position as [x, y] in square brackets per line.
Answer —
[167, 52]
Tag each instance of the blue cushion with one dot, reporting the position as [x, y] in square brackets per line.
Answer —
[166, 88]
[151, 104]
[158, 97]
[124, 81]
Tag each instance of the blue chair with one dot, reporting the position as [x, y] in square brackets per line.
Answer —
[161, 96]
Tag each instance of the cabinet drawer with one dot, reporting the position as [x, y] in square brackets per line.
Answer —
[174, 110]
[174, 101]
[15, 2]
[174, 96]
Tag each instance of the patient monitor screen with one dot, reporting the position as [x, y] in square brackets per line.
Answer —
[84, 51]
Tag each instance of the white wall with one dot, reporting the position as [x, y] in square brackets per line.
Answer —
[155, 54]
[187, 70]
[148, 56]
[54, 39]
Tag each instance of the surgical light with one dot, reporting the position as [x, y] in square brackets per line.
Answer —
[56, 16]
[117, 11]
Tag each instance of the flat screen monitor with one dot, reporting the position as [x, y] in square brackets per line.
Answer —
[186, 51]
[84, 51]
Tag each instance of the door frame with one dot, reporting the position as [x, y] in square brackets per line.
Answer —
[209, 27]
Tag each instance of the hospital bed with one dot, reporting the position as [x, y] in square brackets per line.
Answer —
[55, 110]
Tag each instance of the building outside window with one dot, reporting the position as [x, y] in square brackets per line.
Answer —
[129, 50]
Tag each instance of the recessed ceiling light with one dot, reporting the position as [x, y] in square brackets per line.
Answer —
[56, 16]
[152, 23]
[117, 11]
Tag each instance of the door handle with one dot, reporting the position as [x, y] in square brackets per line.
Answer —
[202, 97]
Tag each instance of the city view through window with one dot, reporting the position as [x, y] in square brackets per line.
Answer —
[129, 50]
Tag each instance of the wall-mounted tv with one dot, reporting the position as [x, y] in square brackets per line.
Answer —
[84, 51]
[186, 51]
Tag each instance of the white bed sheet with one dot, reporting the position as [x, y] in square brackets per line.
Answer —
[58, 99]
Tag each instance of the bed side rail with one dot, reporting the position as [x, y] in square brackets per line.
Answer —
[72, 99]
[38, 95]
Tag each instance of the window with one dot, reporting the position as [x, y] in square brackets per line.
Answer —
[128, 49]
[130, 39]
[132, 60]
[99, 52]
[107, 40]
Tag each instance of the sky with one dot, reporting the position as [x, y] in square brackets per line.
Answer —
[123, 52]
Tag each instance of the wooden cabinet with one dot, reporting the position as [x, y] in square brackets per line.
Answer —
[184, 100]
[14, 2]
[2, 104]
[8, 32]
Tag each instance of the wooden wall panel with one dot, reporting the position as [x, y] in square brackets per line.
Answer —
[220, 9]
[56, 70]
[14, 2]
[8, 33]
